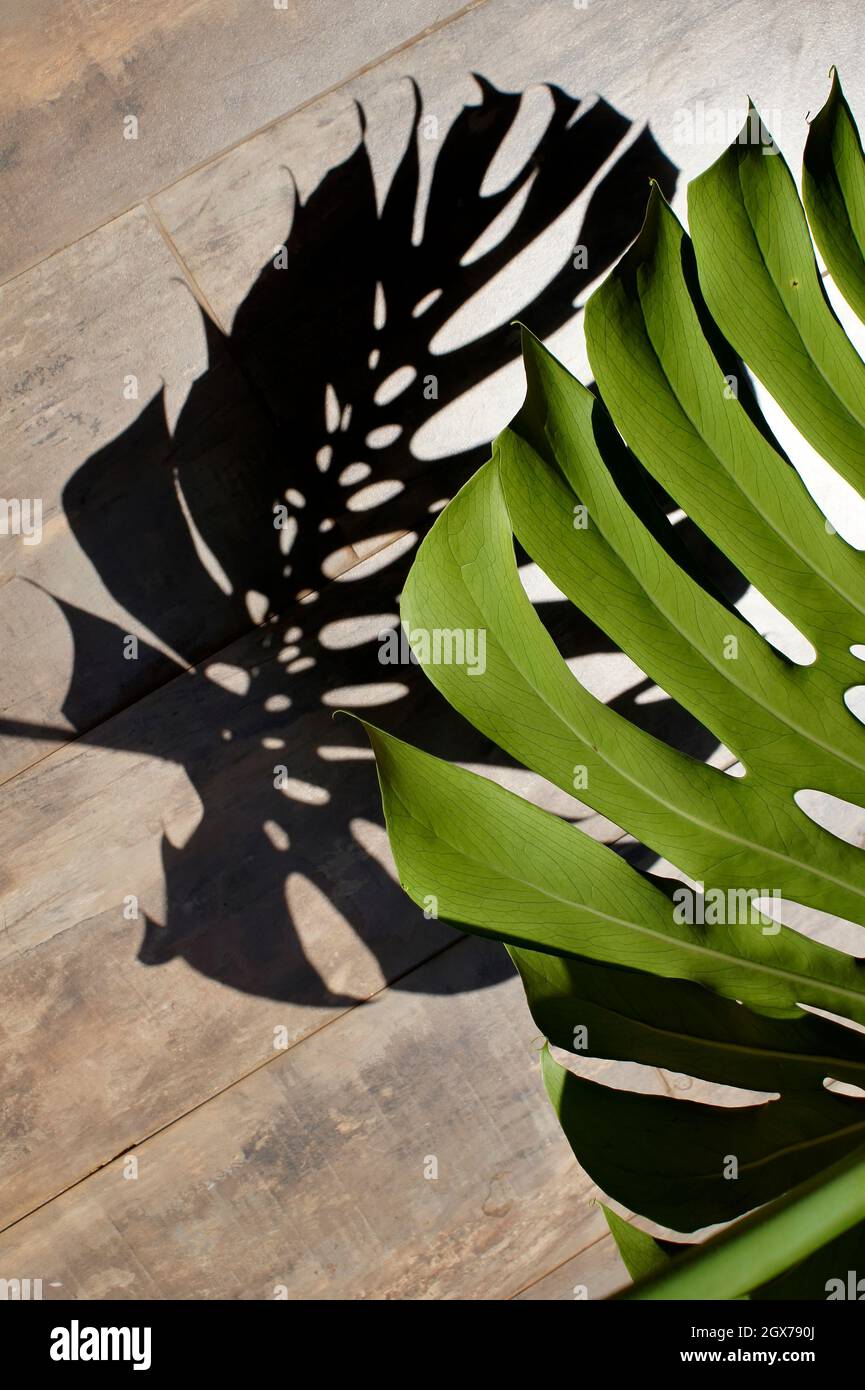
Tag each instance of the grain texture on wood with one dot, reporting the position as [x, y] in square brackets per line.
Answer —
[104, 342]
[594, 1273]
[196, 76]
[160, 890]
[310, 1174]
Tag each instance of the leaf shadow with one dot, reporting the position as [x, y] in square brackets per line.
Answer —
[313, 403]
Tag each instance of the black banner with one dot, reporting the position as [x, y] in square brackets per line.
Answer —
[251, 1338]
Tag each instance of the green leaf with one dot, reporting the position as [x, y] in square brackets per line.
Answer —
[599, 1011]
[596, 1010]
[720, 830]
[643, 1256]
[662, 382]
[611, 968]
[766, 1243]
[761, 283]
[833, 188]
[819, 1274]
[674, 1161]
[829, 1271]
[502, 867]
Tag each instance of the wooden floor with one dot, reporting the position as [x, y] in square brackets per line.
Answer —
[229, 1047]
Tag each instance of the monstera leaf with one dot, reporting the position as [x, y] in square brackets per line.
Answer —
[624, 965]
[833, 184]
[789, 1250]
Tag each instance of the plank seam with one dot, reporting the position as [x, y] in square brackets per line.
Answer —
[335, 87]
[461, 940]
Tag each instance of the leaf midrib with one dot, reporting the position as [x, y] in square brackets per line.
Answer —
[775, 528]
[788, 723]
[647, 791]
[802, 1146]
[741, 962]
[860, 423]
[723, 1045]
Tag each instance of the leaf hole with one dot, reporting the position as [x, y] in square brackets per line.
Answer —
[843, 1088]
[843, 819]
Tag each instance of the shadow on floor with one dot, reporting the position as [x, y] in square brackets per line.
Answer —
[312, 405]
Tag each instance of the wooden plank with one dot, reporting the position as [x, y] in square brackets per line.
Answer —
[287, 897]
[149, 505]
[197, 75]
[227, 218]
[88, 338]
[595, 1273]
[309, 1174]
[99, 821]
